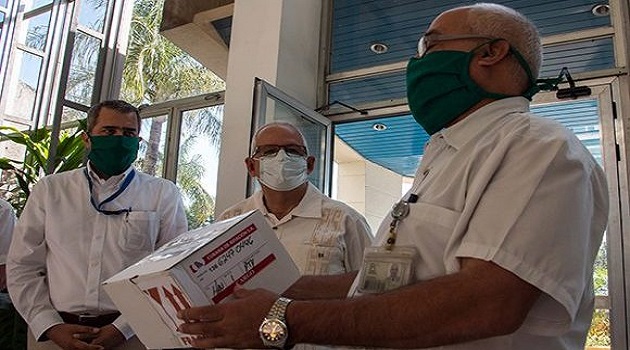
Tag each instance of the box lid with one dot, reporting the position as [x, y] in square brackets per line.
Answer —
[179, 248]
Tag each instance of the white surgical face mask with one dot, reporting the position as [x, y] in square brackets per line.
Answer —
[282, 172]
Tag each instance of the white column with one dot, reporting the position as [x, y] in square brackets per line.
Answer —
[275, 40]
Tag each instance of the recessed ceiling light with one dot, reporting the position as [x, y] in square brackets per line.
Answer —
[379, 48]
[379, 127]
[601, 10]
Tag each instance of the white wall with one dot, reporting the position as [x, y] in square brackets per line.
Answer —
[278, 41]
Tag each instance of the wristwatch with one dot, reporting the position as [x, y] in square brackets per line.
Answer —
[273, 330]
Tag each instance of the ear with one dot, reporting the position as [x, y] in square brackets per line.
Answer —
[250, 165]
[310, 164]
[493, 53]
[86, 140]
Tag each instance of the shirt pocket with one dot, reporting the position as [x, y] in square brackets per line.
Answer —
[430, 228]
[324, 258]
[141, 231]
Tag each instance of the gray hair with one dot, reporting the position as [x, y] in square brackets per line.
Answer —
[499, 21]
[277, 123]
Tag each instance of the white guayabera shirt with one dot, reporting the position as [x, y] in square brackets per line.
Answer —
[323, 236]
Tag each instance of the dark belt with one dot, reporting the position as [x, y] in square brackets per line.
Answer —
[88, 319]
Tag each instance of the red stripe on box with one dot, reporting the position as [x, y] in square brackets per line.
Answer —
[244, 278]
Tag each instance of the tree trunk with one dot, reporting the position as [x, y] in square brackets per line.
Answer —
[153, 147]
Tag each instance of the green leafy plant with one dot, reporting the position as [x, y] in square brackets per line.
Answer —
[19, 176]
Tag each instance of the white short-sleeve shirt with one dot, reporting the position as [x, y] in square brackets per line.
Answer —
[505, 186]
[323, 236]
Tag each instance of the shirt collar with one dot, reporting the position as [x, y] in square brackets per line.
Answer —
[310, 206]
[115, 180]
[460, 133]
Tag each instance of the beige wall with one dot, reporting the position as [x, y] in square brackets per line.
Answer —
[368, 188]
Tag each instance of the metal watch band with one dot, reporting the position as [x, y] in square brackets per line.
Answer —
[279, 309]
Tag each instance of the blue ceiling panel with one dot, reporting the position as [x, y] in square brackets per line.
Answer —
[579, 57]
[397, 148]
[357, 24]
[224, 28]
[400, 146]
[377, 88]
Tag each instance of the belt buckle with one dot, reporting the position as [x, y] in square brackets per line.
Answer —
[84, 318]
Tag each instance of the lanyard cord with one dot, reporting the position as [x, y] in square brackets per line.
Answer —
[122, 188]
[399, 211]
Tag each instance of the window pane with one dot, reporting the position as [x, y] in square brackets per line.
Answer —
[198, 163]
[11, 149]
[71, 114]
[33, 4]
[23, 84]
[3, 3]
[92, 14]
[83, 69]
[1, 29]
[153, 145]
[36, 31]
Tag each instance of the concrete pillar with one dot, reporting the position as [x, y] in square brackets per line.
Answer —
[278, 41]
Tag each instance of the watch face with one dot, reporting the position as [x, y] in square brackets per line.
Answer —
[273, 330]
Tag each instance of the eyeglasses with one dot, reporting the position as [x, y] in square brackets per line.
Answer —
[427, 41]
[272, 150]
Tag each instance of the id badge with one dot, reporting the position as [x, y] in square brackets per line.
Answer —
[385, 269]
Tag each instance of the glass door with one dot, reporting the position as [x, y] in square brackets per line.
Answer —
[271, 104]
[593, 120]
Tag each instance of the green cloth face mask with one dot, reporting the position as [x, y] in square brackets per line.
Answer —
[113, 154]
[440, 89]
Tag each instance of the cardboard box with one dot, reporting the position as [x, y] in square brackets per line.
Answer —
[200, 267]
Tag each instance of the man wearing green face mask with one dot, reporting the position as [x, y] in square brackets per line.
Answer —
[505, 217]
[80, 227]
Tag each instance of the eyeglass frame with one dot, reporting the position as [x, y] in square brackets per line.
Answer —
[423, 43]
[304, 152]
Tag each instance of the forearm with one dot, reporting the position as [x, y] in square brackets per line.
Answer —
[450, 309]
[321, 287]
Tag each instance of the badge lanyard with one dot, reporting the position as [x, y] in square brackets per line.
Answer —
[122, 189]
[400, 210]
[389, 267]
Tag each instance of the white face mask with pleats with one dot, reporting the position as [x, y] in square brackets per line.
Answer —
[282, 172]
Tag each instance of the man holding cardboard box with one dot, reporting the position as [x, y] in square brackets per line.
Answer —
[83, 226]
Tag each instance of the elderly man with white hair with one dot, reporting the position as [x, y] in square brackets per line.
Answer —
[492, 248]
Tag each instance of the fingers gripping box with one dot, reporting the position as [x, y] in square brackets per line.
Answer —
[199, 267]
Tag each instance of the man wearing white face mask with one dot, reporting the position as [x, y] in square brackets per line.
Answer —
[323, 236]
